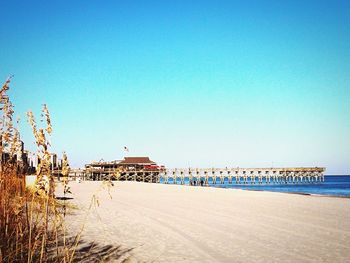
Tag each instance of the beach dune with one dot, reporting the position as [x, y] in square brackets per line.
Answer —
[173, 223]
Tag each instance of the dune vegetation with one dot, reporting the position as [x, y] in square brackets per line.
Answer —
[32, 227]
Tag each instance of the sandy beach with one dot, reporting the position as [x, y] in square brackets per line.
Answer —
[172, 223]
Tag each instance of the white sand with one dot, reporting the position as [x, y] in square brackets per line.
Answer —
[172, 223]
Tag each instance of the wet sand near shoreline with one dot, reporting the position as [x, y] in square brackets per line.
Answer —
[173, 223]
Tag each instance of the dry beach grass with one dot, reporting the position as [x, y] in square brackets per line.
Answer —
[31, 221]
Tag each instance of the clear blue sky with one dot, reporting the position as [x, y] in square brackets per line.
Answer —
[206, 83]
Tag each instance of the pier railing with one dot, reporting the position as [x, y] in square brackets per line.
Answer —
[244, 175]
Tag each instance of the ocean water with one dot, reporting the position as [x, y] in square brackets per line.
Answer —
[333, 186]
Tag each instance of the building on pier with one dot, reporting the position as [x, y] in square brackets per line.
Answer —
[122, 169]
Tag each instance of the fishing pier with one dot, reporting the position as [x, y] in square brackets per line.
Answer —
[142, 169]
[208, 176]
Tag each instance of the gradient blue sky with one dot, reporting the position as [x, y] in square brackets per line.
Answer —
[188, 83]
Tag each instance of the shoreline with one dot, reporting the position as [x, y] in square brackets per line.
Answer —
[264, 190]
[295, 193]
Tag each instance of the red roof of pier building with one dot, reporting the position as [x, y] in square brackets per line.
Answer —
[136, 160]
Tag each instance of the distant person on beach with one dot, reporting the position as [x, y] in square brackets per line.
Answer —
[194, 182]
[202, 182]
